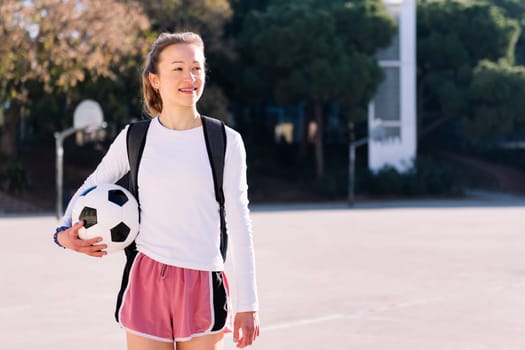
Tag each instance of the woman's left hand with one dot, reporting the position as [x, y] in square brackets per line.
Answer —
[245, 325]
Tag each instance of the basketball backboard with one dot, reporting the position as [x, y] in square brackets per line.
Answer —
[88, 114]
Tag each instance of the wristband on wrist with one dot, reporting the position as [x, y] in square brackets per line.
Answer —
[55, 235]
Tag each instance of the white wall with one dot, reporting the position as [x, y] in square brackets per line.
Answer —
[395, 103]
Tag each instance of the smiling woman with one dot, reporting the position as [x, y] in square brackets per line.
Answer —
[174, 66]
[174, 289]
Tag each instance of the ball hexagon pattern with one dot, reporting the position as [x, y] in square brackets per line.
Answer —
[108, 211]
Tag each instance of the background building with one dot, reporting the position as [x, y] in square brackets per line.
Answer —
[395, 102]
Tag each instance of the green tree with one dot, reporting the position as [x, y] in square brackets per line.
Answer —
[315, 51]
[453, 36]
[55, 45]
[515, 9]
[496, 100]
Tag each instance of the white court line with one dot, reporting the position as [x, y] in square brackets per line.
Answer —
[354, 315]
[298, 323]
[58, 304]
[305, 321]
[15, 308]
[365, 312]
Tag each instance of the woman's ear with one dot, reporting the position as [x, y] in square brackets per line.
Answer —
[153, 80]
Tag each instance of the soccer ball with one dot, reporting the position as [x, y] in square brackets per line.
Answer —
[108, 211]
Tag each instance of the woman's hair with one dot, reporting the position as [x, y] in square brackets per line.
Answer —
[152, 99]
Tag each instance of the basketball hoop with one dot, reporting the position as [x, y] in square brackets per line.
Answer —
[88, 125]
[88, 121]
[88, 113]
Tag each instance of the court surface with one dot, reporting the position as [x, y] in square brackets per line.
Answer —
[447, 275]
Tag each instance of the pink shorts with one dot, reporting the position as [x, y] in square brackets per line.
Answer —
[173, 304]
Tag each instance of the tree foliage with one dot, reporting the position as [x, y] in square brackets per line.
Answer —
[56, 43]
[496, 100]
[315, 51]
[514, 9]
[453, 37]
[206, 17]
[319, 50]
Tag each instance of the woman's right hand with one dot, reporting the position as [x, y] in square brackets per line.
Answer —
[69, 239]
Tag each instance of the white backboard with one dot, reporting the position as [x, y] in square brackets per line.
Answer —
[88, 113]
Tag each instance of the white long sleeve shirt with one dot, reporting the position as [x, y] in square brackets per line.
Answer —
[180, 222]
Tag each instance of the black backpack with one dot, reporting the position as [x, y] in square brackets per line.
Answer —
[215, 136]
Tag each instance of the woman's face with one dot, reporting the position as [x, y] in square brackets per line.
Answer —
[180, 78]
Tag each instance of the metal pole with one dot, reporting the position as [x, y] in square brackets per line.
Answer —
[351, 169]
[59, 173]
[351, 174]
[377, 133]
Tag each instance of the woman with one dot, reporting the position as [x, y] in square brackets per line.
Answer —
[171, 296]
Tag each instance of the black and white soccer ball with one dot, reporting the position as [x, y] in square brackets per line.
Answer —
[108, 211]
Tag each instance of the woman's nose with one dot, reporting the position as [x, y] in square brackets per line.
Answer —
[190, 76]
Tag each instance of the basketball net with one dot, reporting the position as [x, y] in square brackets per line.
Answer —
[91, 133]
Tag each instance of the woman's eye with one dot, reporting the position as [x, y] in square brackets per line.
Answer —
[177, 69]
[197, 68]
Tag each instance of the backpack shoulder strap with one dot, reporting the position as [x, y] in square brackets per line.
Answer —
[215, 137]
[135, 141]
